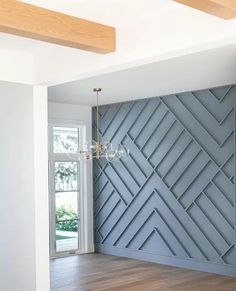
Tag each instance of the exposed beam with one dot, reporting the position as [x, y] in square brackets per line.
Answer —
[30, 21]
[231, 4]
[220, 8]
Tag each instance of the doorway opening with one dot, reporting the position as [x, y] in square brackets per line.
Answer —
[66, 199]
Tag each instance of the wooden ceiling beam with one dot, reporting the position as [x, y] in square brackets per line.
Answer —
[34, 22]
[220, 8]
[230, 4]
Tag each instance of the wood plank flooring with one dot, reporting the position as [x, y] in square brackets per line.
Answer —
[97, 272]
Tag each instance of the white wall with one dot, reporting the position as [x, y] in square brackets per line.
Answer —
[22, 186]
[78, 114]
[16, 66]
[70, 112]
[41, 187]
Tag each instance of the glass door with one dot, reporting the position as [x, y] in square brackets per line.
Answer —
[64, 184]
[66, 206]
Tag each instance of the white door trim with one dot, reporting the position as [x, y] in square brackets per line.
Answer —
[85, 196]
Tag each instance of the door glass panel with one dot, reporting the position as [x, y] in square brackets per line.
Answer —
[67, 221]
[66, 176]
[66, 206]
[65, 140]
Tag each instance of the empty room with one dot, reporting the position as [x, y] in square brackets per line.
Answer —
[118, 145]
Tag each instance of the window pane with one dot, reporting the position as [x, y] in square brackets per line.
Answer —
[67, 221]
[65, 140]
[66, 176]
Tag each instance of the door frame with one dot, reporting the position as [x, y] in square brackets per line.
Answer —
[85, 201]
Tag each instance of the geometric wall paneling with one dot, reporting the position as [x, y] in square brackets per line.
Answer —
[173, 199]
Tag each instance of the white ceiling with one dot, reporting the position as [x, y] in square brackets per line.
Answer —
[212, 68]
[147, 32]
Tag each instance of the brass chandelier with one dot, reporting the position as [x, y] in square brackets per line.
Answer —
[98, 149]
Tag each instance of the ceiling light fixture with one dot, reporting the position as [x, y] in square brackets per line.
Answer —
[99, 149]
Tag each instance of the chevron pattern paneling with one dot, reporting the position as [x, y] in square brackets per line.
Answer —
[173, 198]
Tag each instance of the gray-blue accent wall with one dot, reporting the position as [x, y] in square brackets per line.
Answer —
[172, 200]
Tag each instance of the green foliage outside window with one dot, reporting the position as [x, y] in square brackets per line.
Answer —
[66, 219]
[66, 175]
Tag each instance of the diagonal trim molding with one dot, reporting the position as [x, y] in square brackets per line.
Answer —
[173, 199]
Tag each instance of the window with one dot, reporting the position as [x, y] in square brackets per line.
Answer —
[66, 176]
[65, 140]
[64, 180]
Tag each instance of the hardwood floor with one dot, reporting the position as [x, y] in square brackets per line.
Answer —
[96, 272]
